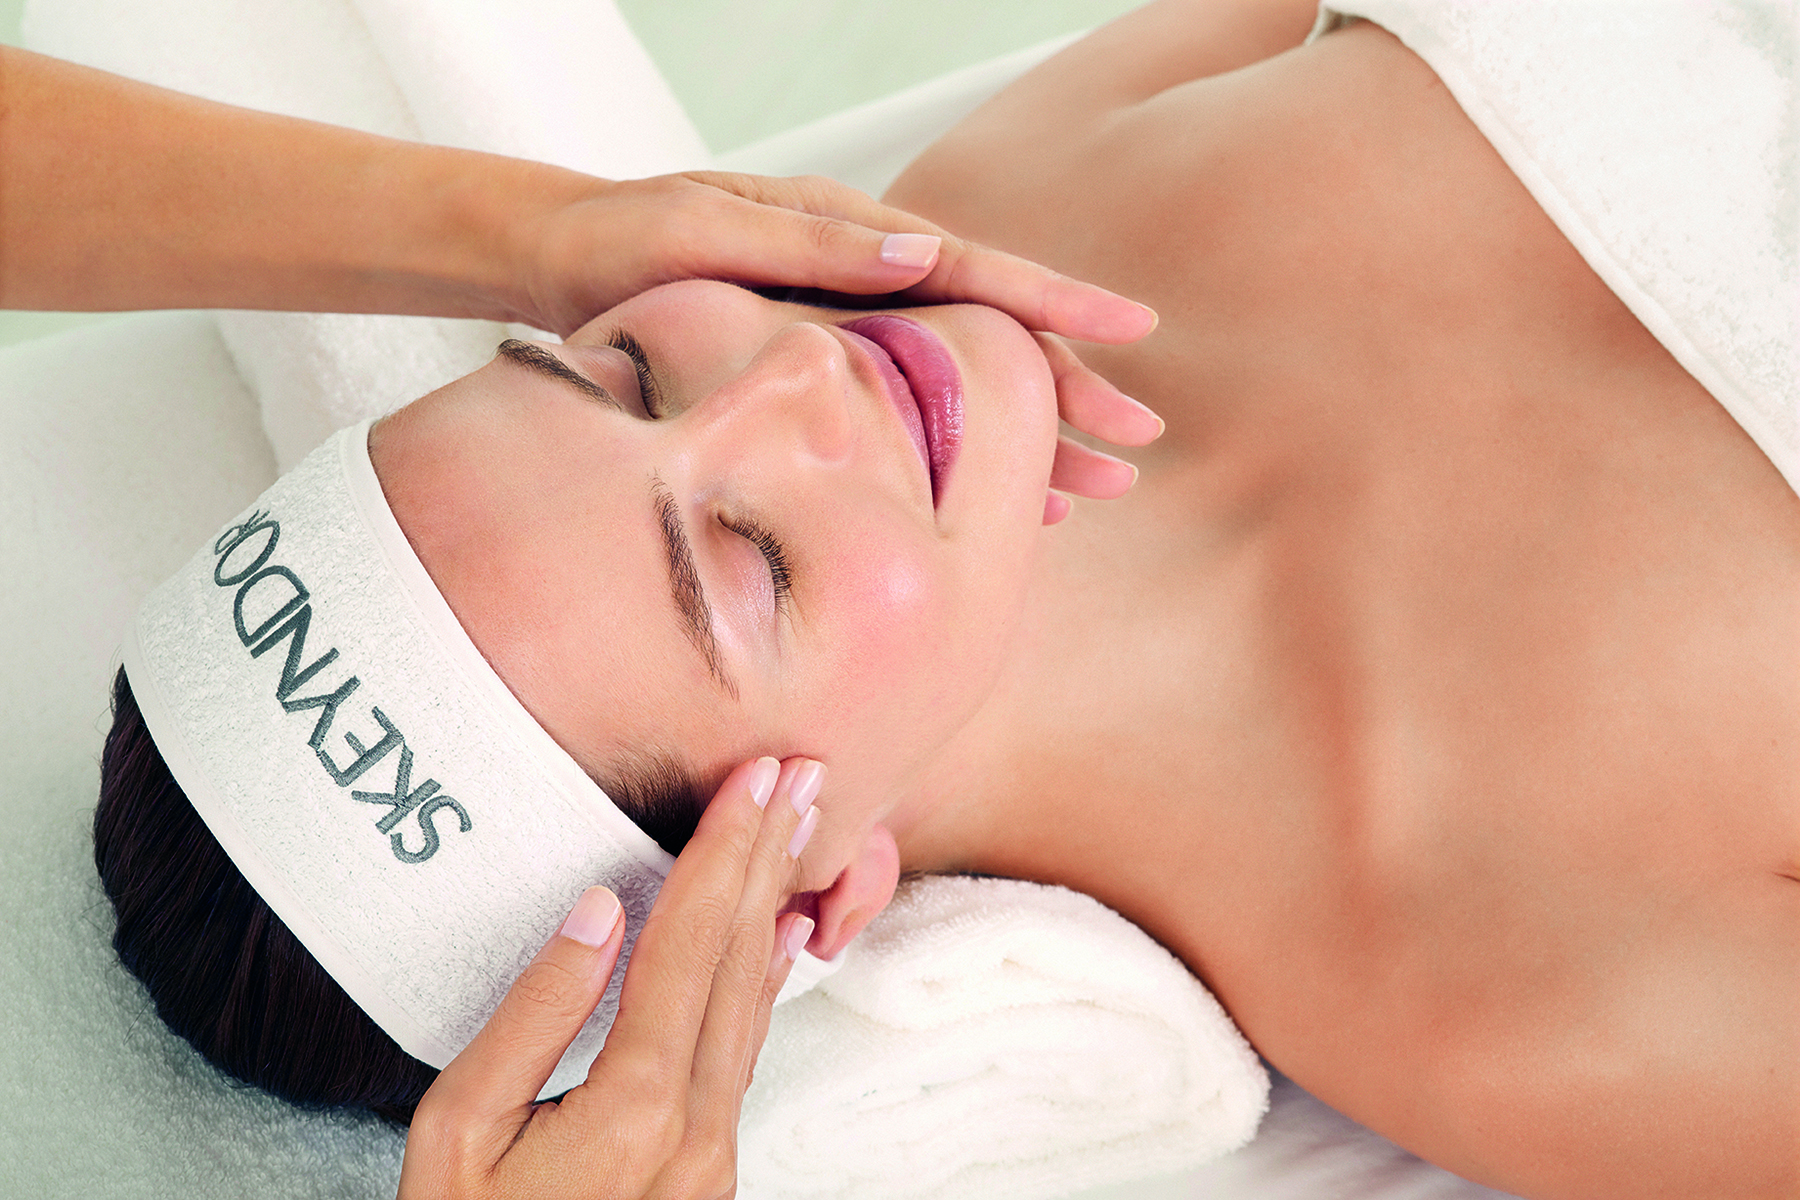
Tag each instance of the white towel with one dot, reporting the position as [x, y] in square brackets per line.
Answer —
[970, 998]
[563, 81]
[1661, 137]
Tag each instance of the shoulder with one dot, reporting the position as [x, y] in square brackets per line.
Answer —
[1157, 47]
[1121, 64]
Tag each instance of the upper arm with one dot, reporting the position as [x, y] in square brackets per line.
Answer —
[1672, 1071]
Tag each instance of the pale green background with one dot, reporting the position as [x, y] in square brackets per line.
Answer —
[749, 68]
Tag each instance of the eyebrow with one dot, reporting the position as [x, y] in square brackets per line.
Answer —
[684, 584]
[536, 358]
[684, 577]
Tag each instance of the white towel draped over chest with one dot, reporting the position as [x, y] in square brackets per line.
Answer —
[1660, 137]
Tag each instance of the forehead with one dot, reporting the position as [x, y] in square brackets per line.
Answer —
[538, 523]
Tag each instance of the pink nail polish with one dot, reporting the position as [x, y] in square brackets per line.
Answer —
[762, 780]
[910, 249]
[805, 787]
[804, 833]
[797, 936]
[593, 918]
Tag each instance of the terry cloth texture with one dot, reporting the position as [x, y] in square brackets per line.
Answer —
[1661, 138]
[970, 997]
[365, 768]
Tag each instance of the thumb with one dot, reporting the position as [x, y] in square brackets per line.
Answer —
[492, 1085]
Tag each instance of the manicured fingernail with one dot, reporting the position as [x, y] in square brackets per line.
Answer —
[592, 920]
[762, 780]
[1056, 507]
[1148, 412]
[803, 834]
[805, 786]
[1151, 313]
[797, 936]
[910, 249]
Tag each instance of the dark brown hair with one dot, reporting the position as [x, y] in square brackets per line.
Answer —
[226, 974]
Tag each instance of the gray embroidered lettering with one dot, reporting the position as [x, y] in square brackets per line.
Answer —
[236, 536]
[365, 759]
[281, 614]
[329, 703]
[431, 834]
[404, 798]
[291, 621]
[292, 676]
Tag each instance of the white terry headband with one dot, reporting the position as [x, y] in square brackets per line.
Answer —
[365, 768]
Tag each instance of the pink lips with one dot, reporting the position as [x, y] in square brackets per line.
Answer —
[924, 385]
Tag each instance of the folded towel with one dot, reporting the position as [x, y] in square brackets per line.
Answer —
[993, 1038]
[1660, 137]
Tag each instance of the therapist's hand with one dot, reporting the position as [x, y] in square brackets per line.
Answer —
[617, 239]
[658, 1114]
[614, 240]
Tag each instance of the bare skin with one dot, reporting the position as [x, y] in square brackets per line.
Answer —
[1437, 695]
[1434, 693]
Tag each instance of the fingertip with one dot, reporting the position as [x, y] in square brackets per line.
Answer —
[792, 932]
[1085, 471]
[799, 932]
[1103, 316]
[1161, 424]
[761, 780]
[1128, 321]
[803, 833]
[915, 251]
[593, 919]
[1145, 425]
[1056, 507]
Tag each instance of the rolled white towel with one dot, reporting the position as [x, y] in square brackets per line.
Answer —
[993, 1038]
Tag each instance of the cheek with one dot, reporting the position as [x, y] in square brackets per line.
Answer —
[912, 658]
[893, 610]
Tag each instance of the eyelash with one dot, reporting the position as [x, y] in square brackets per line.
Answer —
[780, 575]
[631, 348]
[763, 540]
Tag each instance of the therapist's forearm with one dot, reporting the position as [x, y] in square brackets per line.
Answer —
[118, 195]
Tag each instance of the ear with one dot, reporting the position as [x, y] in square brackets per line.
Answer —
[851, 902]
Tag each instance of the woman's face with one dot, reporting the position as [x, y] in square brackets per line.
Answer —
[749, 556]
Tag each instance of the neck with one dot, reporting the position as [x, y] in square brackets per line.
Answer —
[1154, 740]
[1086, 755]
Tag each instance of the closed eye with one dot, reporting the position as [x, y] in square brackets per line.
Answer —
[648, 392]
[779, 573]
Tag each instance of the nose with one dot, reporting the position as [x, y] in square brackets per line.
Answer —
[796, 393]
